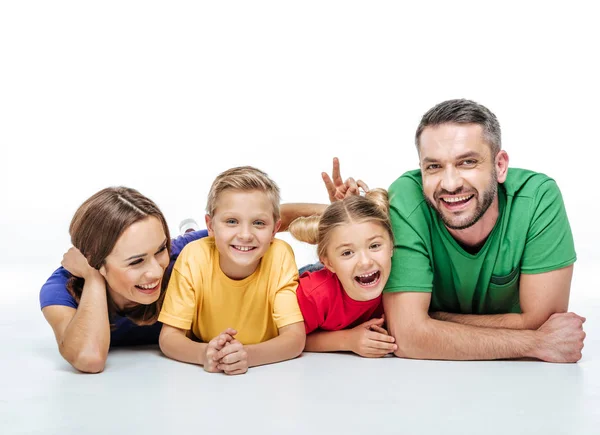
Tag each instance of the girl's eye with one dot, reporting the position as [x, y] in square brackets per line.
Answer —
[375, 245]
[346, 253]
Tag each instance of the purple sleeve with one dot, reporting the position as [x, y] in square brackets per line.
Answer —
[54, 291]
[177, 246]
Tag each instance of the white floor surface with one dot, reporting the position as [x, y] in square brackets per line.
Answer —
[143, 392]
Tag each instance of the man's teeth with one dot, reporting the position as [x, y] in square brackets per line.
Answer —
[457, 198]
[243, 248]
[149, 286]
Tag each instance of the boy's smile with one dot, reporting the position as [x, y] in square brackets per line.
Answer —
[243, 226]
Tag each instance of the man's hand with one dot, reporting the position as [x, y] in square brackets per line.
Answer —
[233, 358]
[371, 340]
[77, 265]
[214, 347]
[561, 338]
[338, 189]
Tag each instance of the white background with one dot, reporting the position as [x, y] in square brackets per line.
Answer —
[162, 96]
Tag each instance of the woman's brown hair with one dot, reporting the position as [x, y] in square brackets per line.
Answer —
[316, 230]
[95, 228]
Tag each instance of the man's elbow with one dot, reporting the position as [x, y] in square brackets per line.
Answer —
[411, 342]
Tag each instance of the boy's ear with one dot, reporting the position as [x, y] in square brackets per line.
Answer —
[276, 229]
[209, 227]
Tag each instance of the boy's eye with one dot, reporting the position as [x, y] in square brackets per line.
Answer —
[259, 223]
[231, 222]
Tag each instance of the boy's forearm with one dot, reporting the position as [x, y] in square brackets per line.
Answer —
[181, 348]
[328, 341]
[283, 347]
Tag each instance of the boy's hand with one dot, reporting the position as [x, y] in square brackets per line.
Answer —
[233, 358]
[213, 348]
[338, 189]
[77, 265]
[371, 340]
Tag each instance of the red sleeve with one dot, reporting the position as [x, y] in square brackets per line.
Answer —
[309, 308]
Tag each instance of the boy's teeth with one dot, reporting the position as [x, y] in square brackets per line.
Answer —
[457, 198]
[243, 248]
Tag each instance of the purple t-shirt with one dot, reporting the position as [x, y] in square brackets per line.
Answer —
[125, 332]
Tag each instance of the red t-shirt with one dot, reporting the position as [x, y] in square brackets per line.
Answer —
[326, 306]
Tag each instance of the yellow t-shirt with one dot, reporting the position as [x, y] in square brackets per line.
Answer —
[201, 298]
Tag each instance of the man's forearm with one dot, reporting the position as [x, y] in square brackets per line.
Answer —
[435, 339]
[506, 321]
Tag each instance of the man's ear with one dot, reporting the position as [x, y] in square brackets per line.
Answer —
[501, 163]
[209, 227]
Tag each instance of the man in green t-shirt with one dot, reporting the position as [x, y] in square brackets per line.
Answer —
[484, 254]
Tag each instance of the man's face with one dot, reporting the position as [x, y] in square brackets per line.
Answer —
[459, 173]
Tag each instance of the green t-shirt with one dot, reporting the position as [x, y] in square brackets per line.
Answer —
[532, 235]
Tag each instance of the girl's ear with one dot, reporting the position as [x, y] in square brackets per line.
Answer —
[327, 264]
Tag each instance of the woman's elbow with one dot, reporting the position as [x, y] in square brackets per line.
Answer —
[89, 362]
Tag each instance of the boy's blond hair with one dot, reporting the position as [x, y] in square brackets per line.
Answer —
[243, 179]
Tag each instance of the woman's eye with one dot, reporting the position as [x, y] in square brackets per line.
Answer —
[161, 250]
[138, 261]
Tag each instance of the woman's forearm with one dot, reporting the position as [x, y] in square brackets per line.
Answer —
[86, 339]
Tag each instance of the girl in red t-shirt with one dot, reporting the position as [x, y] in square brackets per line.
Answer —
[341, 303]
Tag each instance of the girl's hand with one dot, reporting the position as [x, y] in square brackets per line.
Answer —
[338, 189]
[77, 265]
[370, 340]
[233, 358]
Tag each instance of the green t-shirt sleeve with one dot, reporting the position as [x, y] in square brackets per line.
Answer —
[411, 263]
[549, 245]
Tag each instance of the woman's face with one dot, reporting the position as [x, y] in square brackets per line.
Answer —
[134, 269]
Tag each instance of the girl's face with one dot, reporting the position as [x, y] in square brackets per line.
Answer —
[134, 269]
[360, 254]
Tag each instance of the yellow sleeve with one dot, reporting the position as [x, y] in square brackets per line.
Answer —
[285, 305]
[179, 305]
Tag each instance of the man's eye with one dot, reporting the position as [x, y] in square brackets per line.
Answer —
[469, 162]
[432, 167]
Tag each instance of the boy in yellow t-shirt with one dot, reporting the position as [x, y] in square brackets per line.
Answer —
[236, 289]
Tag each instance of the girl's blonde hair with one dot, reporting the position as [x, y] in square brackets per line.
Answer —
[316, 230]
[244, 179]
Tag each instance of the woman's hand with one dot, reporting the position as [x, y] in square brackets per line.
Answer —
[77, 265]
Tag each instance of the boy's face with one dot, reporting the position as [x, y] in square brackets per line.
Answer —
[243, 227]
